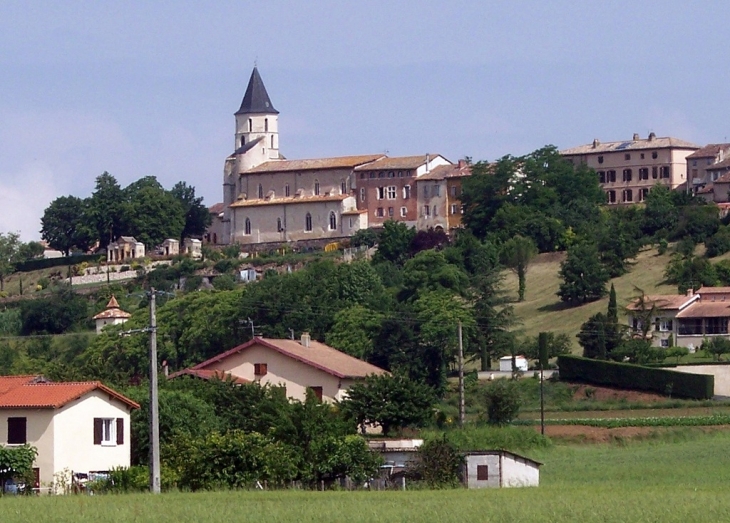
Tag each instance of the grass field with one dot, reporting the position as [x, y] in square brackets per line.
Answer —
[681, 476]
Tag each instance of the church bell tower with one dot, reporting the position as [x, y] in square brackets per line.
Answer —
[257, 122]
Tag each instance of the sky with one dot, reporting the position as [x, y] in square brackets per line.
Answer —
[140, 88]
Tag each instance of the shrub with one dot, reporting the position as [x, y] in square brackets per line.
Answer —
[718, 243]
[663, 246]
[629, 376]
[503, 402]
[224, 282]
[438, 463]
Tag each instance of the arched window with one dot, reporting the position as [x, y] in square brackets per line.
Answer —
[250, 125]
[308, 223]
[343, 187]
[261, 192]
[279, 228]
[247, 227]
[266, 125]
[333, 221]
[316, 187]
[272, 141]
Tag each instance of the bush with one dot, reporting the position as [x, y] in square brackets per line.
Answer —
[224, 282]
[718, 243]
[663, 246]
[503, 402]
[438, 463]
[629, 376]
[47, 263]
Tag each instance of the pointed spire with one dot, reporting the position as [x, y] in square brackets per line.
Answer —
[256, 100]
[113, 303]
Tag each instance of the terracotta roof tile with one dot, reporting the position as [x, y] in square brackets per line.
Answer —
[317, 355]
[289, 201]
[397, 162]
[342, 162]
[446, 171]
[217, 208]
[706, 310]
[663, 302]
[719, 165]
[209, 375]
[709, 151]
[112, 311]
[630, 145]
[30, 393]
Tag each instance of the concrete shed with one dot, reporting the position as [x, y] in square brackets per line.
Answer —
[505, 363]
[499, 468]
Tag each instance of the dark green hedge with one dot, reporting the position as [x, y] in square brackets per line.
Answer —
[629, 376]
[47, 263]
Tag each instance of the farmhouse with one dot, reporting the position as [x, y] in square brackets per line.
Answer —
[78, 428]
[296, 365]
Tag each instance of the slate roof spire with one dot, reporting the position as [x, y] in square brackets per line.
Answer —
[256, 100]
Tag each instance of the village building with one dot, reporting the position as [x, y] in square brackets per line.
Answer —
[79, 429]
[703, 159]
[439, 193]
[170, 247]
[125, 249]
[111, 315]
[193, 247]
[297, 365]
[215, 230]
[682, 320]
[627, 170]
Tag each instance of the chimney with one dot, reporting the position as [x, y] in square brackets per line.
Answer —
[462, 164]
[636, 137]
[596, 142]
[428, 161]
[651, 137]
[305, 339]
[690, 292]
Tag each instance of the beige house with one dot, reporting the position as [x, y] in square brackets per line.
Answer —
[126, 248]
[193, 247]
[297, 365]
[78, 428]
[683, 321]
[170, 247]
[112, 315]
[627, 170]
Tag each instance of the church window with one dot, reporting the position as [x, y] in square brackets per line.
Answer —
[343, 187]
[266, 125]
[316, 187]
[250, 125]
[243, 141]
[279, 228]
[247, 227]
[287, 192]
[333, 221]
[261, 192]
[308, 223]
[272, 141]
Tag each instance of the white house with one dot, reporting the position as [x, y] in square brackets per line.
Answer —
[112, 315]
[78, 428]
[297, 365]
[499, 468]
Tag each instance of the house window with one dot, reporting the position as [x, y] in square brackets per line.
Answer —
[690, 326]
[664, 325]
[371, 175]
[380, 195]
[643, 193]
[600, 159]
[391, 174]
[644, 173]
[642, 156]
[601, 177]
[482, 473]
[108, 431]
[426, 210]
[611, 176]
[611, 196]
[316, 187]
[287, 192]
[247, 227]
[654, 155]
[17, 431]
[391, 211]
[627, 175]
[343, 187]
[400, 174]
[362, 194]
[403, 212]
[628, 195]
[317, 391]
[333, 221]
[425, 191]
[279, 228]
[627, 156]
[453, 191]
[437, 190]
[716, 325]
[406, 192]
[261, 192]
[379, 212]
[392, 192]
[308, 223]
[381, 174]
[260, 369]
[664, 171]
[435, 211]
[454, 209]
[351, 222]
[665, 343]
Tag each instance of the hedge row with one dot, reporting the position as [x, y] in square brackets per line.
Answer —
[47, 263]
[628, 376]
[613, 423]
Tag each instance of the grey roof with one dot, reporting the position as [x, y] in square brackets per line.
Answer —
[248, 146]
[256, 100]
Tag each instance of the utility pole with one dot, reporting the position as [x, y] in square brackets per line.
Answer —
[462, 410]
[154, 406]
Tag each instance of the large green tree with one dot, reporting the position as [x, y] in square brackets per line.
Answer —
[394, 243]
[152, 214]
[584, 276]
[517, 253]
[66, 224]
[197, 217]
[10, 245]
[106, 209]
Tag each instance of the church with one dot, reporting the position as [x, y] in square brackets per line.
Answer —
[268, 199]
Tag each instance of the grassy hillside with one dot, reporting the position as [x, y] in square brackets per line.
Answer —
[542, 309]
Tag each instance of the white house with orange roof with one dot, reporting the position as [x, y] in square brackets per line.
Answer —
[78, 428]
[111, 315]
[297, 365]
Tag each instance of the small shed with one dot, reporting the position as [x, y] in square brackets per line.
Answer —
[112, 315]
[505, 363]
[193, 248]
[125, 248]
[170, 247]
[499, 468]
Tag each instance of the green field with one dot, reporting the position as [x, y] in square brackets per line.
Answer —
[680, 476]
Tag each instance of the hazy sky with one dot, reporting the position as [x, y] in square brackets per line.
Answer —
[150, 88]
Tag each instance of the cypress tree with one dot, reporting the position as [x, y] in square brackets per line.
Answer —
[612, 327]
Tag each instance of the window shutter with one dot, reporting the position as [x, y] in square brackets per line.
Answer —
[120, 431]
[97, 431]
[482, 473]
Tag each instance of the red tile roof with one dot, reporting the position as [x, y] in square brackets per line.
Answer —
[290, 200]
[446, 171]
[663, 302]
[34, 392]
[709, 151]
[706, 310]
[317, 355]
[112, 311]
[206, 374]
[217, 208]
[342, 162]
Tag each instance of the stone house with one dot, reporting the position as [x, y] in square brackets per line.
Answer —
[439, 192]
[170, 247]
[699, 161]
[627, 170]
[297, 365]
[126, 248]
[78, 428]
